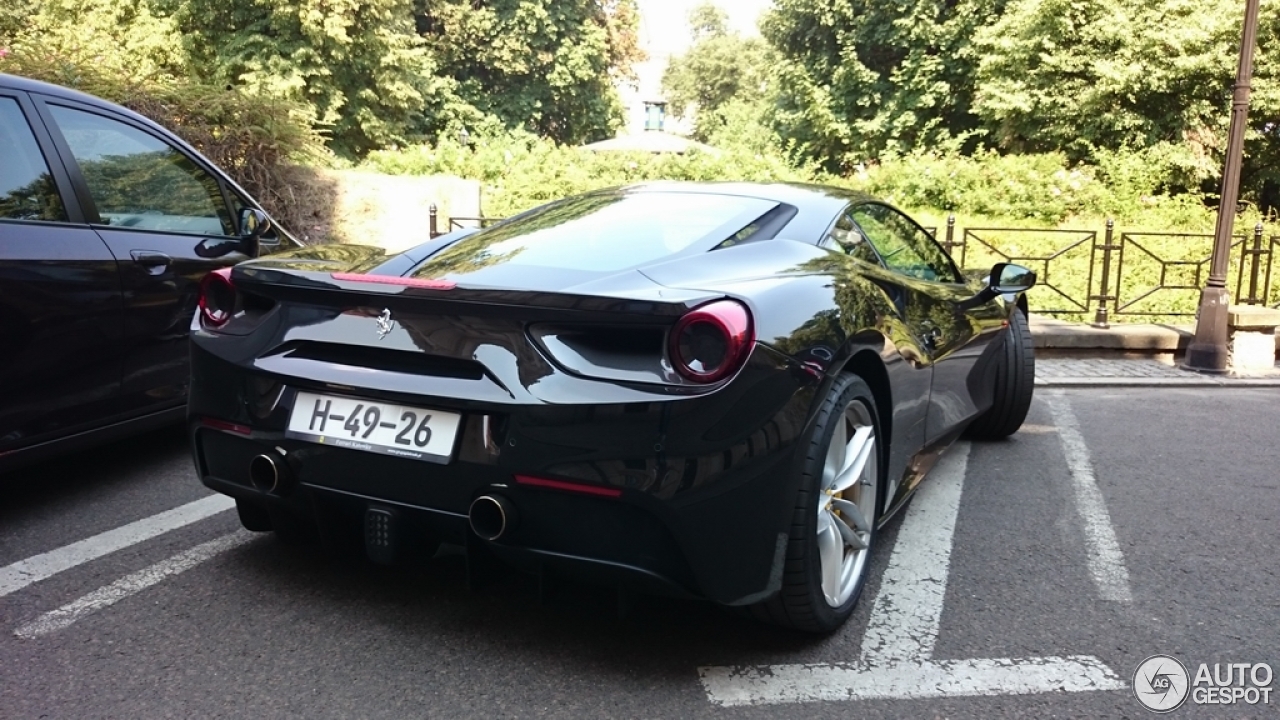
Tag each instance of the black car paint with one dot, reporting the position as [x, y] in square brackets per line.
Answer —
[705, 474]
[95, 318]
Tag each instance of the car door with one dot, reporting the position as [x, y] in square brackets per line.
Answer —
[152, 203]
[60, 304]
[954, 333]
[908, 364]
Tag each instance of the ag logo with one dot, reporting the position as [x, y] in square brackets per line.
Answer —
[1160, 683]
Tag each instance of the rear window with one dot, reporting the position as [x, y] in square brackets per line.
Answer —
[602, 232]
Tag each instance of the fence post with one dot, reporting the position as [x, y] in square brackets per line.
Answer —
[1100, 317]
[950, 243]
[1253, 267]
[432, 214]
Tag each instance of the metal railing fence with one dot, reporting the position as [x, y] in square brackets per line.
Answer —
[1119, 274]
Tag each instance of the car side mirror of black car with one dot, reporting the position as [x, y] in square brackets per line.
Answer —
[265, 228]
[253, 223]
[1005, 279]
[1010, 279]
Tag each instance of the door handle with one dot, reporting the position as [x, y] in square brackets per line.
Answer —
[155, 262]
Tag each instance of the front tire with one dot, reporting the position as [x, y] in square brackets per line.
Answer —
[1015, 383]
[833, 525]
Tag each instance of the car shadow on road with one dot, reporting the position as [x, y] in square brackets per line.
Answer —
[572, 627]
[99, 470]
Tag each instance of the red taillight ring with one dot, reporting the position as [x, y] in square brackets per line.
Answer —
[733, 321]
[209, 314]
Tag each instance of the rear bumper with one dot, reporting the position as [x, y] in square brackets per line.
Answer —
[704, 485]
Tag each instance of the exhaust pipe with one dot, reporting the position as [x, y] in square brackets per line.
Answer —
[491, 516]
[268, 473]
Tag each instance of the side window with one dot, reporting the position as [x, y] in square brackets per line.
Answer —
[902, 245]
[139, 181]
[27, 190]
[848, 237]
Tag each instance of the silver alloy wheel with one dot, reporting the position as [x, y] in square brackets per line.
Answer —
[847, 503]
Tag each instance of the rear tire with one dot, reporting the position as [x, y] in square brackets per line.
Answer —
[840, 485]
[1014, 385]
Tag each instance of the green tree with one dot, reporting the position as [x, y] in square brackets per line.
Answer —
[128, 37]
[1262, 147]
[720, 67]
[1153, 80]
[15, 20]
[859, 79]
[359, 63]
[708, 20]
[1077, 74]
[548, 66]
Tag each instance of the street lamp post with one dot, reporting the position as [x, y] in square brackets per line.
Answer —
[1208, 351]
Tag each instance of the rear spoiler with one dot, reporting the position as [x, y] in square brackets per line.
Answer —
[643, 301]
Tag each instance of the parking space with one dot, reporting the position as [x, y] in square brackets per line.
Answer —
[1028, 579]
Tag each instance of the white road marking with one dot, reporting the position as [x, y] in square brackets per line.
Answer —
[129, 585]
[896, 659]
[773, 684]
[39, 567]
[1106, 561]
[904, 620]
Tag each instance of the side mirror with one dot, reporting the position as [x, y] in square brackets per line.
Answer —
[1005, 279]
[1010, 279]
[253, 223]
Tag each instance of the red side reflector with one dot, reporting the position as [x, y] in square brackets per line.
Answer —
[569, 486]
[391, 280]
[224, 425]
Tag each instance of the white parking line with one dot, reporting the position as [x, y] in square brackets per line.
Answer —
[773, 684]
[129, 585]
[1106, 561]
[39, 567]
[896, 660]
[904, 620]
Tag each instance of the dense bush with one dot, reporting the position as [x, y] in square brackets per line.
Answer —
[519, 171]
[1131, 187]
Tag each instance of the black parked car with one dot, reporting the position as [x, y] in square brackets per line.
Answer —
[718, 390]
[108, 224]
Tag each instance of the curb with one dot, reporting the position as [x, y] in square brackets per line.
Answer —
[1167, 382]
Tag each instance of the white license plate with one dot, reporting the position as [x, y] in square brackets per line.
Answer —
[372, 426]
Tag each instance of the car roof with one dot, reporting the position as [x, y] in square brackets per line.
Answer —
[17, 82]
[805, 196]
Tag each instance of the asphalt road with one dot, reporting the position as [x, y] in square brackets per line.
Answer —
[1154, 531]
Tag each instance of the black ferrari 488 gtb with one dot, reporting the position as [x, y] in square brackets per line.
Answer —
[712, 390]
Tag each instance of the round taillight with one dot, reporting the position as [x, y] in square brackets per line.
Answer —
[711, 342]
[217, 298]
